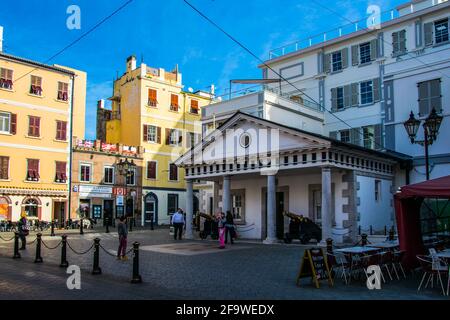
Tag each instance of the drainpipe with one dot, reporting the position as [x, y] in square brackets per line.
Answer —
[71, 149]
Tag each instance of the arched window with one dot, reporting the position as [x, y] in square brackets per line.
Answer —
[4, 209]
[31, 207]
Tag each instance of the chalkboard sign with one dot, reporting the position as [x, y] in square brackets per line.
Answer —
[314, 265]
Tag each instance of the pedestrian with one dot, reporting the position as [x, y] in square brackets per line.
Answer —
[123, 234]
[229, 227]
[24, 230]
[178, 223]
[221, 220]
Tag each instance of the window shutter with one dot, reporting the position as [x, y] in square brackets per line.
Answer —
[151, 170]
[376, 90]
[167, 136]
[333, 135]
[180, 137]
[64, 130]
[423, 99]
[145, 132]
[344, 55]
[428, 32]
[374, 49]
[327, 63]
[355, 55]
[158, 138]
[188, 140]
[334, 100]
[347, 96]
[355, 94]
[378, 137]
[13, 129]
[435, 95]
[320, 60]
[395, 43]
[402, 41]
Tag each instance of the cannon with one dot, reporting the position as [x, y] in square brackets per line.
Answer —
[210, 226]
[301, 228]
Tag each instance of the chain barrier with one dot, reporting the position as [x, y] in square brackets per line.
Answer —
[106, 251]
[42, 241]
[30, 243]
[79, 253]
[6, 240]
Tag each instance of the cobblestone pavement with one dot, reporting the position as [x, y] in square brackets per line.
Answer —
[243, 271]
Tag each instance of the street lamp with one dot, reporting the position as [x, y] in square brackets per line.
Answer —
[430, 129]
[125, 168]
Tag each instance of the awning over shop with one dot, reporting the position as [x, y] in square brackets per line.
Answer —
[408, 202]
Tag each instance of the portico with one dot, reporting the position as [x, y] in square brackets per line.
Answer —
[263, 169]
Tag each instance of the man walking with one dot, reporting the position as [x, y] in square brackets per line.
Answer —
[178, 223]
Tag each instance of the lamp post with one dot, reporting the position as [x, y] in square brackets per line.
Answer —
[124, 168]
[431, 127]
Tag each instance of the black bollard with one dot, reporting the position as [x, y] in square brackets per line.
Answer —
[64, 263]
[107, 224]
[329, 242]
[16, 246]
[96, 269]
[81, 227]
[136, 276]
[52, 234]
[364, 239]
[38, 258]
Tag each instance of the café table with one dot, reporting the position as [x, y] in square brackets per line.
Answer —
[444, 254]
[386, 245]
[357, 250]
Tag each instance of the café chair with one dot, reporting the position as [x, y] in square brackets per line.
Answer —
[431, 269]
[338, 262]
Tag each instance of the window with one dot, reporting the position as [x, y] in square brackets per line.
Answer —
[131, 177]
[238, 205]
[36, 85]
[192, 139]
[441, 31]
[151, 170]
[108, 175]
[61, 130]
[85, 173]
[364, 53]
[366, 89]
[34, 124]
[336, 61]
[377, 190]
[399, 43]
[429, 96]
[152, 98]
[32, 170]
[60, 175]
[174, 102]
[150, 133]
[6, 78]
[31, 208]
[63, 91]
[173, 137]
[194, 106]
[369, 137]
[5, 122]
[173, 172]
[340, 98]
[345, 136]
[4, 168]
[172, 203]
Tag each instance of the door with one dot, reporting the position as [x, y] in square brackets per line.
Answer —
[280, 218]
[130, 208]
[151, 209]
[317, 206]
[108, 208]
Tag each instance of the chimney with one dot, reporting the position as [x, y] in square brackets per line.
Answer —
[101, 104]
[213, 90]
[1, 39]
[131, 63]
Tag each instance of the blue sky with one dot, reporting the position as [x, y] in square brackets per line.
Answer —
[166, 33]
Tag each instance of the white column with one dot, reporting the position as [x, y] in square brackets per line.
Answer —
[326, 204]
[189, 208]
[271, 210]
[226, 194]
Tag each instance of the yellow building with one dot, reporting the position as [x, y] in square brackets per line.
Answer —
[151, 109]
[38, 114]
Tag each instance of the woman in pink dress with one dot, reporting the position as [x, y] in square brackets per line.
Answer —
[221, 220]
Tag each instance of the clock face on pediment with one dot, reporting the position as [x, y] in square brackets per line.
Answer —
[246, 138]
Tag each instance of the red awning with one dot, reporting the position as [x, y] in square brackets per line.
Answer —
[437, 188]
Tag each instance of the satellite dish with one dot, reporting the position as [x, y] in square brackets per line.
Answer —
[219, 98]
[190, 90]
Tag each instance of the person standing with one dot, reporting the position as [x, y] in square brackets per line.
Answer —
[123, 235]
[229, 227]
[221, 225]
[23, 229]
[178, 223]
